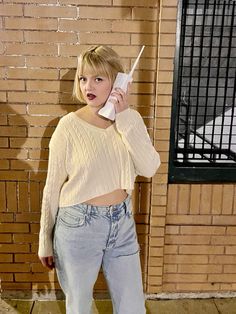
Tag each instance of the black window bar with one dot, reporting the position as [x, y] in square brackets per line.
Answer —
[203, 124]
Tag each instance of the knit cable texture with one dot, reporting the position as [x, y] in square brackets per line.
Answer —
[86, 161]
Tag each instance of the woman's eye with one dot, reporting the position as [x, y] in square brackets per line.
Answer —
[82, 79]
[98, 79]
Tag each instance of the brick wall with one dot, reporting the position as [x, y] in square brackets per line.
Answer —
[200, 237]
[192, 226]
[187, 232]
[40, 41]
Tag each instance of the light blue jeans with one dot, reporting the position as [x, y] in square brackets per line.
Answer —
[87, 237]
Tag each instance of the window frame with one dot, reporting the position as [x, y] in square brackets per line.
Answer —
[194, 172]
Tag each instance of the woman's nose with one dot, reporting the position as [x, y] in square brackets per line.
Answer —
[89, 84]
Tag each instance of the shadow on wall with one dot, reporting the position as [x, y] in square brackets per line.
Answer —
[18, 219]
[23, 144]
[23, 167]
[66, 104]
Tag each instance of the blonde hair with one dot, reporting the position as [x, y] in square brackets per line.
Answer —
[102, 60]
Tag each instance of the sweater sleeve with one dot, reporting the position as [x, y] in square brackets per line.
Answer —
[134, 134]
[56, 176]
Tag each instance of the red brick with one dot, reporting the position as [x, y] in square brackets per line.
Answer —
[50, 11]
[90, 3]
[13, 131]
[196, 287]
[224, 220]
[13, 228]
[185, 278]
[6, 286]
[231, 230]
[5, 238]
[144, 13]
[6, 217]
[4, 165]
[23, 204]
[53, 37]
[222, 278]
[11, 10]
[222, 259]
[223, 240]
[148, 3]
[3, 97]
[13, 153]
[30, 23]
[217, 194]
[16, 61]
[6, 277]
[201, 269]
[230, 269]
[187, 239]
[104, 38]
[18, 268]
[25, 258]
[228, 197]
[50, 62]
[28, 73]
[201, 249]
[188, 219]
[25, 238]
[134, 26]
[104, 13]
[195, 199]
[210, 230]
[27, 217]
[2, 196]
[18, 248]
[6, 258]
[206, 199]
[33, 97]
[172, 198]
[183, 198]
[12, 109]
[186, 259]
[37, 277]
[13, 175]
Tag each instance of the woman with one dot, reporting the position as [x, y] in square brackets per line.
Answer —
[86, 219]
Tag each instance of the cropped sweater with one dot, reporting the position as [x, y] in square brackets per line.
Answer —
[86, 161]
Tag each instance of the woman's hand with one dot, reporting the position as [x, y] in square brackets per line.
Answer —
[121, 102]
[48, 262]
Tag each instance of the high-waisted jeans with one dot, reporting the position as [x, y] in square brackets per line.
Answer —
[87, 237]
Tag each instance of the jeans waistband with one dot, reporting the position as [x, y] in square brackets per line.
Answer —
[89, 208]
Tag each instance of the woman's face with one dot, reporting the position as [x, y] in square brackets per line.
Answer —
[95, 88]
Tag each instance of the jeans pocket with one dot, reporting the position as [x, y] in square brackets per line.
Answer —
[72, 221]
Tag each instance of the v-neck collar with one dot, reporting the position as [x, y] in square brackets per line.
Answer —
[92, 126]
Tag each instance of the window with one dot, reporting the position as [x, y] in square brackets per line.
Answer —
[203, 126]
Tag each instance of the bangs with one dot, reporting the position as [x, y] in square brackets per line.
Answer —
[95, 64]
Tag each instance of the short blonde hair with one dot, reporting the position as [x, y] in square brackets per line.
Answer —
[102, 60]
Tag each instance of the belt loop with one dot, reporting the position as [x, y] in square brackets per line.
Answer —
[89, 208]
[110, 210]
[125, 207]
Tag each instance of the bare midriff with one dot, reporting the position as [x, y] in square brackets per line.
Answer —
[115, 197]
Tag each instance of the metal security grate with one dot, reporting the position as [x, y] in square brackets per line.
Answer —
[204, 114]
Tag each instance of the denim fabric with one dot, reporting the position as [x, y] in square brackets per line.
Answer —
[87, 237]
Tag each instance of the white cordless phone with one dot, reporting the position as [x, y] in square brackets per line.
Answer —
[122, 80]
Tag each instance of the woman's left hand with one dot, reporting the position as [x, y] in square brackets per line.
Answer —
[121, 102]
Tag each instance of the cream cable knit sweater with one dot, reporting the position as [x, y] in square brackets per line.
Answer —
[86, 161]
